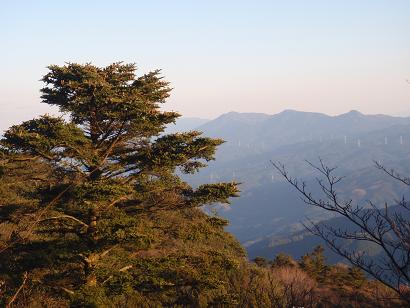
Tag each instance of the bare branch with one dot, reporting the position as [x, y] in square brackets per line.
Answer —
[388, 230]
[25, 276]
[65, 217]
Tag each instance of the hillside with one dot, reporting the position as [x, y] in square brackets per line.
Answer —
[299, 242]
[261, 132]
[184, 124]
[268, 206]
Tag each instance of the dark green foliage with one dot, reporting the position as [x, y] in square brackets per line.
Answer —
[283, 260]
[315, 263]
[93, 204]
[261, 262]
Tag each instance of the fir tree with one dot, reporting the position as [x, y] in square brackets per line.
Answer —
[94, 176]
[283, 260]
[315, 263]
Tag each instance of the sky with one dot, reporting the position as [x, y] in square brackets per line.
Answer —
[327, 56]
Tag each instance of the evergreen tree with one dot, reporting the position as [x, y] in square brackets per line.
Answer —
[261, 261]
[315, 263]
[96, 179]
[356, 276]
[283, 260]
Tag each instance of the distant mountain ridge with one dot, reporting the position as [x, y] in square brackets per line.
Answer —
[268, 206]
[290, 126]
[185, 124]
[299, 242]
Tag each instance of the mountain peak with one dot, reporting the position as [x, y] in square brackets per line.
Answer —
[353, 113]
[233, 115]
[290, 111]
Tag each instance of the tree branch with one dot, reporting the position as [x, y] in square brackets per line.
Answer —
[25, 276]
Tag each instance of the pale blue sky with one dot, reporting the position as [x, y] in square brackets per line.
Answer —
[248, 56]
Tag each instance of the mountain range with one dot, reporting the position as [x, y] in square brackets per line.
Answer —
[269, 209]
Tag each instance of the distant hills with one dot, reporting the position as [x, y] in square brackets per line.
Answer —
[298, 243]
[265, 132]
[268, 207]
[184, 124]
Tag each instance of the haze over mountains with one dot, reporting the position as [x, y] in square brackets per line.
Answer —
[290, 127]
[269, 211]
[184, 124]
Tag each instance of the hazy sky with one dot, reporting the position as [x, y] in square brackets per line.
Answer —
[248, 56]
